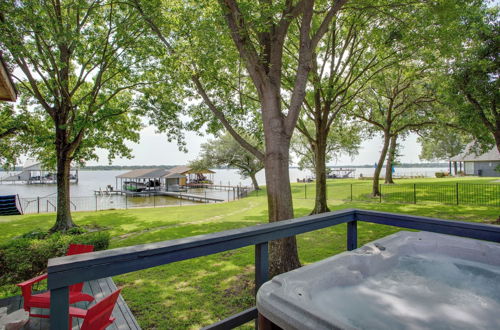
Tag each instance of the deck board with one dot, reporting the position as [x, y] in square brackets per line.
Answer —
[125, 320]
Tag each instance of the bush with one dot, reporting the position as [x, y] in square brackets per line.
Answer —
[440, 174]
[26, 257]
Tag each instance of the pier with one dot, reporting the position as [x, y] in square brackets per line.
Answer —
[149, 193]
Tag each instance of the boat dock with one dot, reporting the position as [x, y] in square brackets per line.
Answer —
[216, 186]
[190, 197]
[341, 173]
[152, 192]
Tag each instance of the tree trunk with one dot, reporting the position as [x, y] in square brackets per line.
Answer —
[496, 134]
[390, 160]
[376, 175]
[254, 181]
[320, 202]
[64, 220]
[283, 255]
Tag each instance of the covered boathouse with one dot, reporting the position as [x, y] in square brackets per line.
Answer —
[149, 179]
[193, 176]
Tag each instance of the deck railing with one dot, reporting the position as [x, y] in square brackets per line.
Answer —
[65, 271]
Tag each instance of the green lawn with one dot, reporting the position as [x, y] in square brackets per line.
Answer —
[194, 293]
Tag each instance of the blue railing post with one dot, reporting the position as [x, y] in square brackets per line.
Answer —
[261, 268]
[352, 235]
[59, 308]
[261, 264]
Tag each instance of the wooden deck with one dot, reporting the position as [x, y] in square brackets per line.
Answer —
[99, 289]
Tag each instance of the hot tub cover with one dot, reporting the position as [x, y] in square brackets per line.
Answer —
[293, 300]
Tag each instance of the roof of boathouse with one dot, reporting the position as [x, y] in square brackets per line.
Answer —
[183, 169]
[149, 173]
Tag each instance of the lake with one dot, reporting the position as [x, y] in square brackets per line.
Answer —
[93, 180]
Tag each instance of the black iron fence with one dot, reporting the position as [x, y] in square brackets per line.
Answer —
[452, 194]
[474, 194]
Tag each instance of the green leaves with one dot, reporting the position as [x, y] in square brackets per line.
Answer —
[225, 151]
[79, 73]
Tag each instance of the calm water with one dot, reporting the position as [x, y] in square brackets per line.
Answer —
[40, 198]
[93, 180]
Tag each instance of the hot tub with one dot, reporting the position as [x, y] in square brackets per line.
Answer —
[409, 280]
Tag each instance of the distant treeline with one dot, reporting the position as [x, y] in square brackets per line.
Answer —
[127, 167]
[123, 167]
[135, 167]
[402, 165]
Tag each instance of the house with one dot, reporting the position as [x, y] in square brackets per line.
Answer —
[480, 165]
[7, 89]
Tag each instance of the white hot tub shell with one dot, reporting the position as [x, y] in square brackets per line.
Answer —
[408, 280]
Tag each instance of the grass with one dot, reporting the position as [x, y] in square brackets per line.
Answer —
[198, 292]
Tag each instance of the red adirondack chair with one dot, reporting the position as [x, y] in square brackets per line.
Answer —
[42, 300]
[97, 317]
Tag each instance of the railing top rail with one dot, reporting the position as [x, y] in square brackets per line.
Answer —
[65, 271]
[422, 219]
[68, 270]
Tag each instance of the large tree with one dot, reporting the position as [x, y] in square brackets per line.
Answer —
[398, 101]
[344, 138]
[441, 143]
[475, 72]
[253, 34]
[225, 151]
[353, 51]
[75, 76]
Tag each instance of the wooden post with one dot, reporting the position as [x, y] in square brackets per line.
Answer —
[351, 192]
[261, 269]
[96, 201]
[38, 204]
[261, 264]
[59, 308]
[352, 235]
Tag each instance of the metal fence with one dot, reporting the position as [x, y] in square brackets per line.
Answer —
[47, 204]
[474, 194]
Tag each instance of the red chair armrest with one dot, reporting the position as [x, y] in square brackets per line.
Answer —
[77, 312]
[32, 281]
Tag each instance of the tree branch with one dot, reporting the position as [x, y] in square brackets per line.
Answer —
[220, 115]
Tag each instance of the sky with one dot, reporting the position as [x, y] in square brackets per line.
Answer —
[154, 149]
